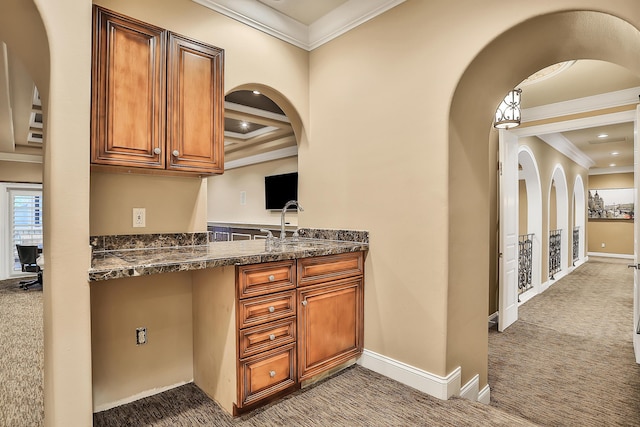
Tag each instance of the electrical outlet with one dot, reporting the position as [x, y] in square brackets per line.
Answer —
[141, 336]
[603, 245]
[139, 219]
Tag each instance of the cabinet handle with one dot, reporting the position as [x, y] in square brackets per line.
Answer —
[272, 309]
[176, 153]
[272, 278]
[157, 150]
[272, 337]
[304, 302]
[272, 374]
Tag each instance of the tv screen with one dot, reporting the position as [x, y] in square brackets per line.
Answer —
[279, 189]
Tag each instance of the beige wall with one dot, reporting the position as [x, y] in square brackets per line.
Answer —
[172, 204]
[162, 304]
[426, 304]
[20, 172]
[617, 235]
[223, 197]
[523, 226]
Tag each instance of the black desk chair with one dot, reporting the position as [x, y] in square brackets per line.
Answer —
[28, 256]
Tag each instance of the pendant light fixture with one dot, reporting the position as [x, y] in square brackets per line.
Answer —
[508, 113]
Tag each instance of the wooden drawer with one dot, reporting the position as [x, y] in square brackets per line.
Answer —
[265, 374]
[330, 267]
[258, 310]
[265, 337]
[260, 279]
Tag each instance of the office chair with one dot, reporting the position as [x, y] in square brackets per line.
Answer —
[27, 256]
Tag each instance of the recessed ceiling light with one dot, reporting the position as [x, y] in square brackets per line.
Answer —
[603, 135]
[244, 124]
[615, 153]
[256, 92]
[612, 165]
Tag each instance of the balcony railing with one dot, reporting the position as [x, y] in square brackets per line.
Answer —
[555, 252]
[576, 244]
[525, 262]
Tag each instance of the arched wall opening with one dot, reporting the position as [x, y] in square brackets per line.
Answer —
[560, 218]
[531, 175]
[252, 155]
[529, 47]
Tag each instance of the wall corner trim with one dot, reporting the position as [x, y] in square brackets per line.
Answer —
[434, 385]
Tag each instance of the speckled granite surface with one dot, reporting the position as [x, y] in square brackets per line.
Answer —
[117, 257]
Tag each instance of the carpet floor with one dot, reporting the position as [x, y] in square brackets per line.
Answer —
[22, 356]
[568, 360]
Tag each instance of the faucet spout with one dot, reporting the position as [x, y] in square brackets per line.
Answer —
[284, 211]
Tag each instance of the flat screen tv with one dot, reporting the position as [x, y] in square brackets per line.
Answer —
[279, 189]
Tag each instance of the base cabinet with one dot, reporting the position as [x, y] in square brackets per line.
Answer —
[263, 330]
[330, 325]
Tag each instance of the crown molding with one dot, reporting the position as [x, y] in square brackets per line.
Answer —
[566, 147]
[335, 23]
[261, 158]
[582, 105]
[607, 171]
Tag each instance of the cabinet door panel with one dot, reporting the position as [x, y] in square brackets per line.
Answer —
[330, 325]
[128, 92]
[195, 106]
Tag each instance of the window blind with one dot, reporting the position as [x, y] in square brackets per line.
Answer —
[25, 215]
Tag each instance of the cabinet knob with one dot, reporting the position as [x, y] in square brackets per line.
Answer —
[157, 150]
[176, 153]
[272, 278]
[272, 337]
[272, 309]
[272, 374]
[304, 302]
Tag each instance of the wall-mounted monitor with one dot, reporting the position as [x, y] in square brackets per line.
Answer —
[279, 189]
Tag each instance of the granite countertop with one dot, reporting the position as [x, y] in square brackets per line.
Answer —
[128, 261]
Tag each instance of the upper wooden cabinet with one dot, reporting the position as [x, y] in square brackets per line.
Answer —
[157, 98]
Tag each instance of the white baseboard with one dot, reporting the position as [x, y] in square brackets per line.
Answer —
[485, 395]
[471, 389]
[142, 395]
[434, 385]
[607, 255]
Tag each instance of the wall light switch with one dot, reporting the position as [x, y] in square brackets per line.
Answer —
[139, 219]
[243, 197]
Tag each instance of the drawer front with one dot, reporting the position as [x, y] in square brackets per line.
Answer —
[260, 279]
[258, 310]
[330, 267]
[266, 374]
[265, 337]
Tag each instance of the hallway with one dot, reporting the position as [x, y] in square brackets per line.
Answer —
[568, 360]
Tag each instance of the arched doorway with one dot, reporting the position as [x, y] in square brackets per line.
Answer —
[558, 224]
[531, 177]
[529, 46]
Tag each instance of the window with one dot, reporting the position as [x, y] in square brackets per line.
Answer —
[25, 220]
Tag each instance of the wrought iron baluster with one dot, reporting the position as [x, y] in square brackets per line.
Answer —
[576, 244]
[555, 252]
[525, 262]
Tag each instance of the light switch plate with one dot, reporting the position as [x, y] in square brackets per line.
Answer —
[139, 219]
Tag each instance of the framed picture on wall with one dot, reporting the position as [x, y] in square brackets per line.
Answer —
[611, 203]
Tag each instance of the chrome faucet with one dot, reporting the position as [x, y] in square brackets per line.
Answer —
[284, 210]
